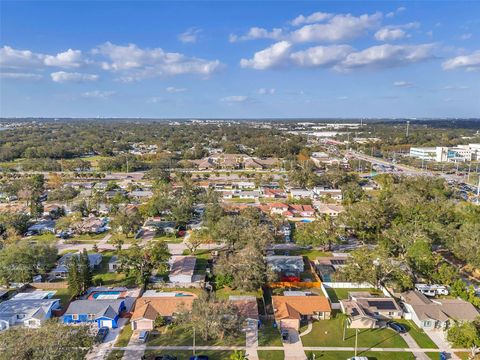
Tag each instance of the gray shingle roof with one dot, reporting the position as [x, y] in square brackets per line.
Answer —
[108, 308]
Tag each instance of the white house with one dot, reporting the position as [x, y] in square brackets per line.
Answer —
[27, 312]
[182, 269]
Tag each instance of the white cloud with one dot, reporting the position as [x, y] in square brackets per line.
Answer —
[396, 12]
[265, 91]
[468, 62]
[98, 94]
[13, 58]
[403, 84]
[455, 87]
[235, 99]
[321, 55]
[68, 59]
[466, 36]
[312, 18]
[273, 56]
[137, 63]
[387, 34]
[190, 36]
[338, 28]
[20, 76]
[387, 55]
[172, 89]
[258, 33]
[62, 77]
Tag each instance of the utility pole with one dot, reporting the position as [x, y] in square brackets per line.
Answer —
[194, 340]
[356, 341]
[408, 125]
[127, 165]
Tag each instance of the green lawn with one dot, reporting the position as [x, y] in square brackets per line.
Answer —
[115, 355]
[47, 237]
[330, 333]
[343, 355]
[311, 254]
[342, 293]
[271, 355]
[102, 277]
[185, 354]
[168, 239]
[125, 335]
[90, 236]
[418, 335]
[183, 336]
[225, 292]
[268, 335]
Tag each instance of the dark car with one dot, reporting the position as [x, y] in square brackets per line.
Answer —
[397, 327]
[102, 333]
[199, 357]
[285, 336]
[165, 357]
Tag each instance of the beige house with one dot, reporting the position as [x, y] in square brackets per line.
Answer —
[289, 311]
[154, 304]
[365, 310]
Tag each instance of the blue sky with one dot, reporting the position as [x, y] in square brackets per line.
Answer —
[240, 59]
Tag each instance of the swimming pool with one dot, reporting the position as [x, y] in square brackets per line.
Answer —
[103, 295]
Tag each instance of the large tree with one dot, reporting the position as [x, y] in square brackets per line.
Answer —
[52, 341]
[143, 262]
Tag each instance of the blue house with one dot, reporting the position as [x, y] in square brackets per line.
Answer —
[103, 312]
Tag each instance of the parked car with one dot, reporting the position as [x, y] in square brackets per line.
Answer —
[102, 333]
[358, 358]
[143, 336]
[285, 336]
[397, 327]
[199, 357]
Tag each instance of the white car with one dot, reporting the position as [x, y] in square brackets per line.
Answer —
[358, 358]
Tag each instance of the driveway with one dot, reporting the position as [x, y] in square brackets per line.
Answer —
[251, 335]
[293, 349]
[101, 350]
[138, 349]
[438, 337]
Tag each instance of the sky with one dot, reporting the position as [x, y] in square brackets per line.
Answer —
[249, 59]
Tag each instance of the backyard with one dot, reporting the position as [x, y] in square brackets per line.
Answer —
[330, 333]
[336, 294]
[103, 277]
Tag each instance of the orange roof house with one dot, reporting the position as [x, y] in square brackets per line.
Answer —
[153, 305]
[290, 310]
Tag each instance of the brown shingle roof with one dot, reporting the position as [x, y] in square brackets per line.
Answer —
[292, 307]
[151, 307]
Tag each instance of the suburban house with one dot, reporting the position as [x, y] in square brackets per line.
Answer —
[92, 225]
[42, 227]
[254, 194]
[365, 310]
[273, 193]
[301, 194]
[302, 210]
[62, 264]
[27, 312]
[278, 208]
[182, 269]
[290, 311]
[334, 194]
[113, 264]
[328, 265]
[332, 210]
[289, 267]
[153, 304]
[103, 312]
[246, 306]
[436, 314]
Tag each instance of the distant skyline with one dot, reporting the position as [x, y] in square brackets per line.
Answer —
[240, 59]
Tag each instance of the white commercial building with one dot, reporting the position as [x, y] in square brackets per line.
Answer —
[460, 153]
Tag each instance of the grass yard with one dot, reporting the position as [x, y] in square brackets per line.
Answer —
[185, 354]
[183, 336]
[102, 277]
[90, 236]
[330, 333]
[271, 355]
[269, 336]
[225, 292]
[115, 355]
[342, 293]
[310, 254]
[196, 291]
[418, 335]
[125, 335]
[372, 355]
[168, 239]
[47, 237]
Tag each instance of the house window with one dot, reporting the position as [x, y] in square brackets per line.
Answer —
[427, 323]
[74, 316]
[391, 313]
[20, 316]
